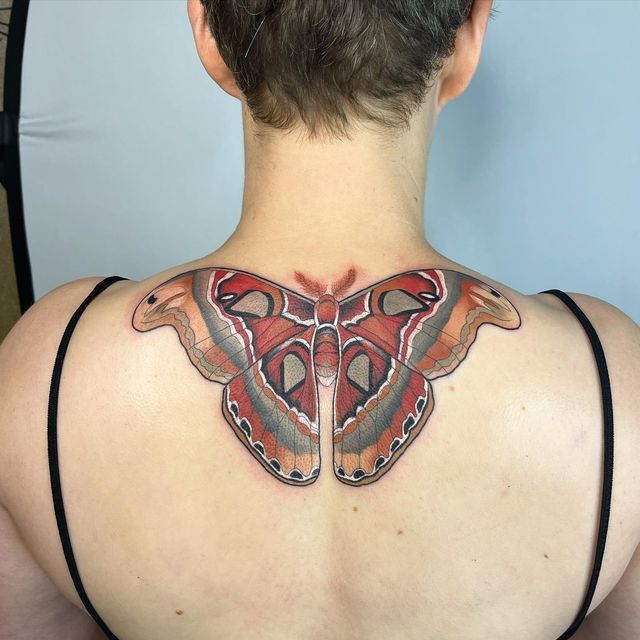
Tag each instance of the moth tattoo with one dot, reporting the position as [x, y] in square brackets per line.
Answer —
[379, 349]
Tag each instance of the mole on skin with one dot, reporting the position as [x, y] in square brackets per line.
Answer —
[179, 612]
[355, 508]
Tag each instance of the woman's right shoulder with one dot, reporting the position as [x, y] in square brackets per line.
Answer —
[618, 332]
[619, 335]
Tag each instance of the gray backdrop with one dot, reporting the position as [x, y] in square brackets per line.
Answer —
[132, 157]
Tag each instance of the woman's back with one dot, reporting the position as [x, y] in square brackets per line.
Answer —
[258, 444]
[485, 527]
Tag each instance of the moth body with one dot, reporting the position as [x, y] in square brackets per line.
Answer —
[326, 350]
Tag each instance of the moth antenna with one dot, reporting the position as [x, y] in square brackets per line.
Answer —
[312, 287]
[344, 283]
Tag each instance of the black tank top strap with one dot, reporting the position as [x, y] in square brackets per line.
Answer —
[52, 440]
[607, 480]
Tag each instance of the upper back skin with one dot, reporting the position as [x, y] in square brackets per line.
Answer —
[485, 528]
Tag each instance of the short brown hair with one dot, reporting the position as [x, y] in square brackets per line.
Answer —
[320, 62]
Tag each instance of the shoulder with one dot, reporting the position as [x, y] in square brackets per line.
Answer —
[31, 559]
[27, 355]
[33, 337]
[45, 315]
[618, 332]
[620, 337]
[43, 321]
[608, 315]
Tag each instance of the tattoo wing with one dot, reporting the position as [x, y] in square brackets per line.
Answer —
[252, 336]
[395, 337]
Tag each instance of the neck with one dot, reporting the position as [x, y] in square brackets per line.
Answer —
[330, 204]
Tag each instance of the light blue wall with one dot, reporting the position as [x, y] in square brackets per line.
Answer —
[535, 171]
[132, 157]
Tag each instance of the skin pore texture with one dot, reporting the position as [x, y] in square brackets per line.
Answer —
[479, 522]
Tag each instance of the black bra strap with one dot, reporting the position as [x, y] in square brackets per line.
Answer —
[607, 481]
[52, 437]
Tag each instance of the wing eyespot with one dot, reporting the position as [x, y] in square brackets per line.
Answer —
[251, 304]
[360, 372]
[398, 302]
[293, 373]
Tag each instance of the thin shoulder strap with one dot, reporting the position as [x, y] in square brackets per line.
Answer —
[607, 480]
[52, 437]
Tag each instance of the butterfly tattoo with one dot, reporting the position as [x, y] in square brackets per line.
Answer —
[379, 349]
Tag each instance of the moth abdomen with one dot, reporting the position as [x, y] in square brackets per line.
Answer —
[326, 354]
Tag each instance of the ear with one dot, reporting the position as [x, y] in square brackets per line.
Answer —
[463, 62]
[208, 49]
